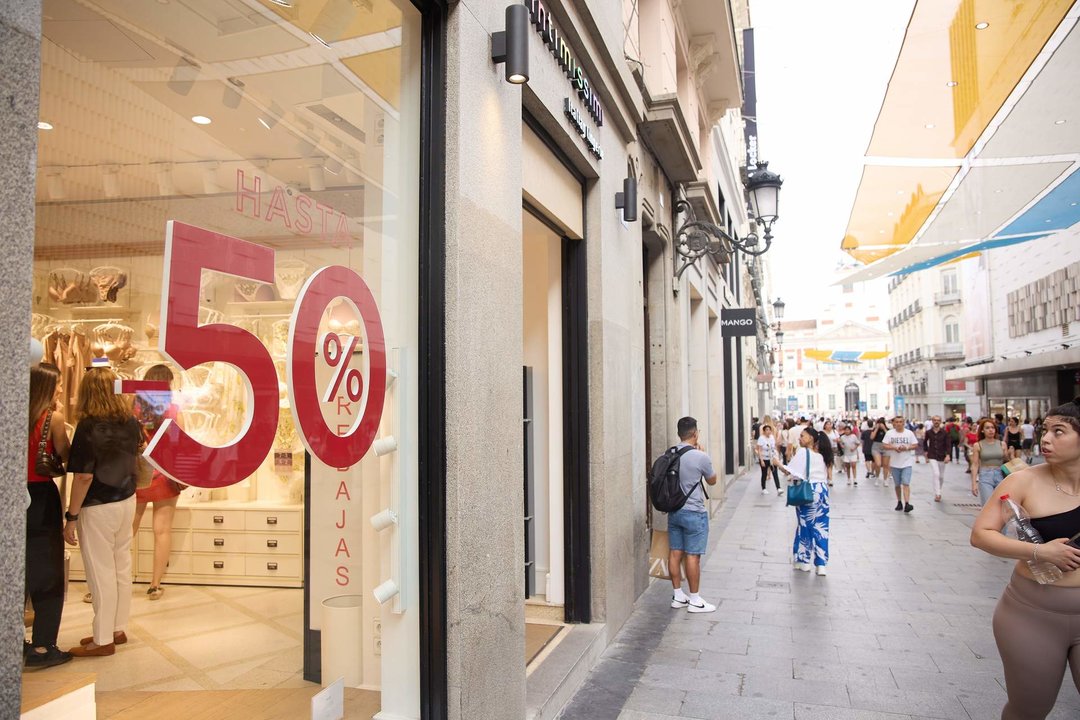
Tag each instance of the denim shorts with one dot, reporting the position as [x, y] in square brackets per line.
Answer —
[901, 476]
[688, 531]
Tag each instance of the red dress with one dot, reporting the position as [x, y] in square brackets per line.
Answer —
[161, 487]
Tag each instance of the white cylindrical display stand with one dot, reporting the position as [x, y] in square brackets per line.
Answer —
[341, 639]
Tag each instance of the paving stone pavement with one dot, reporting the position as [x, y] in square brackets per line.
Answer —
[898, 630]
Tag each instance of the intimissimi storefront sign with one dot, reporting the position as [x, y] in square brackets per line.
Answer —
[580, 84]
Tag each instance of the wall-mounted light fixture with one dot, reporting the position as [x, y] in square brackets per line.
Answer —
[627, 199]
[511, 46]
[696, 238]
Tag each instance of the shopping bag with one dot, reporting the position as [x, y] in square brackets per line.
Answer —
[658, 555]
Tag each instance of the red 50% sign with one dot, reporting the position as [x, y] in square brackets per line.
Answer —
[188, 251]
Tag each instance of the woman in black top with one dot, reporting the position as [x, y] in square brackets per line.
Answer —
[1035, 624]
[881, 457]
[102, 504]
[1013, 438]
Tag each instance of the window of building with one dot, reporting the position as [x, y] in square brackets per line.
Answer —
[832, 402]
[184, 206]
[952, 330]
[809, 402]
[873, 400]
[809, 383]
[949, 283]
[790, 384]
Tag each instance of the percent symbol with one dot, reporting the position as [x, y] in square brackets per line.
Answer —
[337, 354]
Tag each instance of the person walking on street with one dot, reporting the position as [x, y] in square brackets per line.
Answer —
[938, 446]
[970, 432]
[900, 442]
[1027, 443]
[1035, 625]
[766, 451]
[811, 463]
[953, 428]
[851, 445]
[793, 433]
[834, 438]
[877, 449]
[868, 447]
[988, 454]
[688, 527]
[1014, 438]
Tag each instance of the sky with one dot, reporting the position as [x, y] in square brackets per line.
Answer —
[822, 70]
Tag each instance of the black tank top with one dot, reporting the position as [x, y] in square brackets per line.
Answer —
[1061, 525]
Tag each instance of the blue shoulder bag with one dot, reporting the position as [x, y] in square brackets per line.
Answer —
[800, 492]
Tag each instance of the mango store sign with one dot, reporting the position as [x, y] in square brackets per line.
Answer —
[580, 84]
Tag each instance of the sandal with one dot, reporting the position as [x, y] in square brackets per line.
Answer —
[155, 593]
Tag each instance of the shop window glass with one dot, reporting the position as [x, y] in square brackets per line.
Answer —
[295, 128]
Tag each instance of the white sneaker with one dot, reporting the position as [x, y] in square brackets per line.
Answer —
[705, 607]
[805, 567]
[779, 492]
[676, 603]
[764, 491]
[821, 570]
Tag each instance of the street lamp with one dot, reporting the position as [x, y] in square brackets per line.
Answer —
[696, 238]
[778, 309]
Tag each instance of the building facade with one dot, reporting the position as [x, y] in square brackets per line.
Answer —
[1023, 326]
[362, 185]
[927, 325]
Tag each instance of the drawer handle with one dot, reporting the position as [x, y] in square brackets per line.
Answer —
[219, 519]
[271, 543]
[219, 542]
[271, 520]
[219, 564]
[271, 566]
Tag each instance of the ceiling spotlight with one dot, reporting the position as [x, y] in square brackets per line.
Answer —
[899, 192]
[951, 83]
[982, 25]
[333, 166]
[42, 125]
[282, 3]
[1047, 220]
[321, 41]
[266, 123]
[183, 76]
[201, 120]
[1060, 122]
[929, 126]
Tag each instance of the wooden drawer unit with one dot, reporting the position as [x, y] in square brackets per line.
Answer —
[179, 565]
[226, 544]
[273, 566]
[273, 543]
[203, 541]
[273, 520]
[217, 565]
[208, 519]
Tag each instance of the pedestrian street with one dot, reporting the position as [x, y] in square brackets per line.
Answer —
[899, 628]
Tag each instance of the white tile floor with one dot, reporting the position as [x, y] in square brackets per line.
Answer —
[198, 638]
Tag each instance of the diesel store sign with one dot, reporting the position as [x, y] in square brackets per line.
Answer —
[738, 322]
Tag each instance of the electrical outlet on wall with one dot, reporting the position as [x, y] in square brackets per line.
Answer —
[376, 627]
[378, 646]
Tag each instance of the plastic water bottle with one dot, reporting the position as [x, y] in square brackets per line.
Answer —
[1018, 524]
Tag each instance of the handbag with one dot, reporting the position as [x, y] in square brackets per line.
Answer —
[47, 464]
[658, 555]
[800, 492]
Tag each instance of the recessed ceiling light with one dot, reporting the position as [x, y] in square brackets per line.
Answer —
[321, 41]
[282, 3]
[42, 125]
[899, 192]
[982, 25]
[930, 126]
[951, 83]
[1072, 204]
[201, 120]
[882, 232]
[998, 191]
[1060, 122]
[890, 213]
[264, 123]
[1047, 220]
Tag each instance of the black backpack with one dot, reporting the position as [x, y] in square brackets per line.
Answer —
[665, 491]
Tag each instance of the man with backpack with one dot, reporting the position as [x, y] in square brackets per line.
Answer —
[675, 487]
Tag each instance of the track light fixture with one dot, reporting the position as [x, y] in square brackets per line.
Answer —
[511, 46]
[627, 199]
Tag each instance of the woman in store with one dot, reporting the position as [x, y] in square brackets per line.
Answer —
[151, 409]
[812, 463]
[881, 459]
[102, 504]
[45, 522]
[988, 454]
[766, 451]
[1035, 625]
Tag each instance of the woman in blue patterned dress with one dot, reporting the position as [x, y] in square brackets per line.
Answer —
[811, 546]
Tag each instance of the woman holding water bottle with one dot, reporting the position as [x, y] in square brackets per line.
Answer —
[1035, 625]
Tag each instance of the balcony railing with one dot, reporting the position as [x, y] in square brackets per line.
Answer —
[947, 350]
[947, 298]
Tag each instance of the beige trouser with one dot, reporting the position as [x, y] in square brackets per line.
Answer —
[105, 537]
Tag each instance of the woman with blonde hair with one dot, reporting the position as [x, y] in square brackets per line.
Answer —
[102, 505]
[151, 409]
[44, 521]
